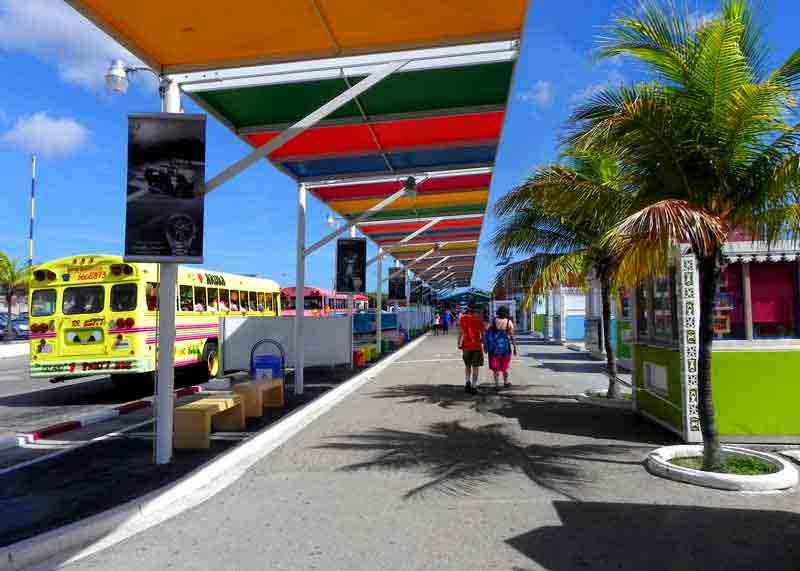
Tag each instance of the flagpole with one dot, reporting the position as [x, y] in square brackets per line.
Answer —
[33, 211]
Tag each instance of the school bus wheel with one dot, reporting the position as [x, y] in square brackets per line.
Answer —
[211, 358]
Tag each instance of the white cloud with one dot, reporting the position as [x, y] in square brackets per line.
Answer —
[54, 32]
[49, 136]
[613, 79]
[699, 18]
[541, 94]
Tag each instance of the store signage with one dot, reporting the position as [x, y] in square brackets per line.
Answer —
[166, 180]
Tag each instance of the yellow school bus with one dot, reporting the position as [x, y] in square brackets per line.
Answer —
[95, 314]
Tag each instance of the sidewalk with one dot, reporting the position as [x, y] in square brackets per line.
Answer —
[412, 473]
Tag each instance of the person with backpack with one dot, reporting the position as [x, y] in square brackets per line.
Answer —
[500, 344]
[470, 342]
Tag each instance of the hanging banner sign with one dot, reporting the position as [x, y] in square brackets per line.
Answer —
[166, 177]
[351, 265]
[397, 284]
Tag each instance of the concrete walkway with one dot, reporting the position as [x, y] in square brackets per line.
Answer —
[412, 473]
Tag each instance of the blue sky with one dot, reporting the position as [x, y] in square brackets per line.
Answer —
[51, 66]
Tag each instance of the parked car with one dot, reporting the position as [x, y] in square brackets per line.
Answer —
[20, 325]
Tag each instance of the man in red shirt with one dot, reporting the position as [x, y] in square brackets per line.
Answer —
[470, 341]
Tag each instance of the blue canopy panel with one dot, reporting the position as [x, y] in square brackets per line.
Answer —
[406, 160]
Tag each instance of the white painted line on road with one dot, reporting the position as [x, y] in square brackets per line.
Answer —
[10, 441]
[117, 524]
[62, 451]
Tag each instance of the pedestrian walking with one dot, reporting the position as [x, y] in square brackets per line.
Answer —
[500, 343]
[437, 323]
[446, 322]
[471, 330]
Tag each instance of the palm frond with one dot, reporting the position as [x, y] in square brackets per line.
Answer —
[669, 222]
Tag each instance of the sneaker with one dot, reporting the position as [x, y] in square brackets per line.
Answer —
[468, 387]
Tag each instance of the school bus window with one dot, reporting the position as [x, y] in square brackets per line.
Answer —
[186, 302]
[87, 299]
[243, 301]
[199, 299]
[224, 304]
[151, 296]
[261, 305]
[234, 300]
[254, 302]
[267, 302]
[43, 303]
[123, 297]
[213, 299]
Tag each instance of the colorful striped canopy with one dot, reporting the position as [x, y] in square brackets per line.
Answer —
[438, 117]
[179, 35]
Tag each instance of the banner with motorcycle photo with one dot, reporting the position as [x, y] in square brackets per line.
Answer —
[351, 265]
[397, 284]
[166, 178]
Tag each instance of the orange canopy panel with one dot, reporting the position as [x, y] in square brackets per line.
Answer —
[183, 35]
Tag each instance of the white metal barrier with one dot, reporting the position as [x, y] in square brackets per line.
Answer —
[326, 341]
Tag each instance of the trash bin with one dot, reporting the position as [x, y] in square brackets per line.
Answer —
[267, 366]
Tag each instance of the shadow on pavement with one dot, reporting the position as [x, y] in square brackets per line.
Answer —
[606, 536]
[592, 367]
[569, 417]
[448, 396]
[459, 460]
[107, 473]
[565, 356]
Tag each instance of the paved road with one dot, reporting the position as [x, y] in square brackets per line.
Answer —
[411, 473]
[28, 404]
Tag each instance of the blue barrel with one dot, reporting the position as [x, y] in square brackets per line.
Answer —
[270, 363]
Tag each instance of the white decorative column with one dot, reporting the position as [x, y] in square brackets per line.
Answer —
[689, 337]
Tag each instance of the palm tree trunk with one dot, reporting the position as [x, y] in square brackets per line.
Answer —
[709, 281]
[611, 358]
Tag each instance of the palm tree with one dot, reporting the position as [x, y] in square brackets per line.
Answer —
[12, 276]
[707, 142]
[550, 219]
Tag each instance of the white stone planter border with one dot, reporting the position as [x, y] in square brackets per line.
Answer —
[596, 397]
[658, 463]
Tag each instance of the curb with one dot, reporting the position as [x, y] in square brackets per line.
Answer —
[80, 538]
[89, 418]
[622, 404]
[9, 441]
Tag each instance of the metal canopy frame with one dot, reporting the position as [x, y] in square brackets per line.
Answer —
[376, 67]
[350, 66]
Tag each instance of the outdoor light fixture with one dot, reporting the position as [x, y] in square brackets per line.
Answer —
[410, 186]
[118, 76]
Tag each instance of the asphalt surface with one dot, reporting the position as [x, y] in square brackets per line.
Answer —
[104, 471]
[28, 404]
[412, 473]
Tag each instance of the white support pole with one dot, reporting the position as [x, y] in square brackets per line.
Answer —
[411, 263]
[165, 384]
[299, 291]
[408, 291]
[379, 302]
[421, 230]
[351, 225]
[440, 262]
[350, 309]
[167, 302]
[305, 123]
